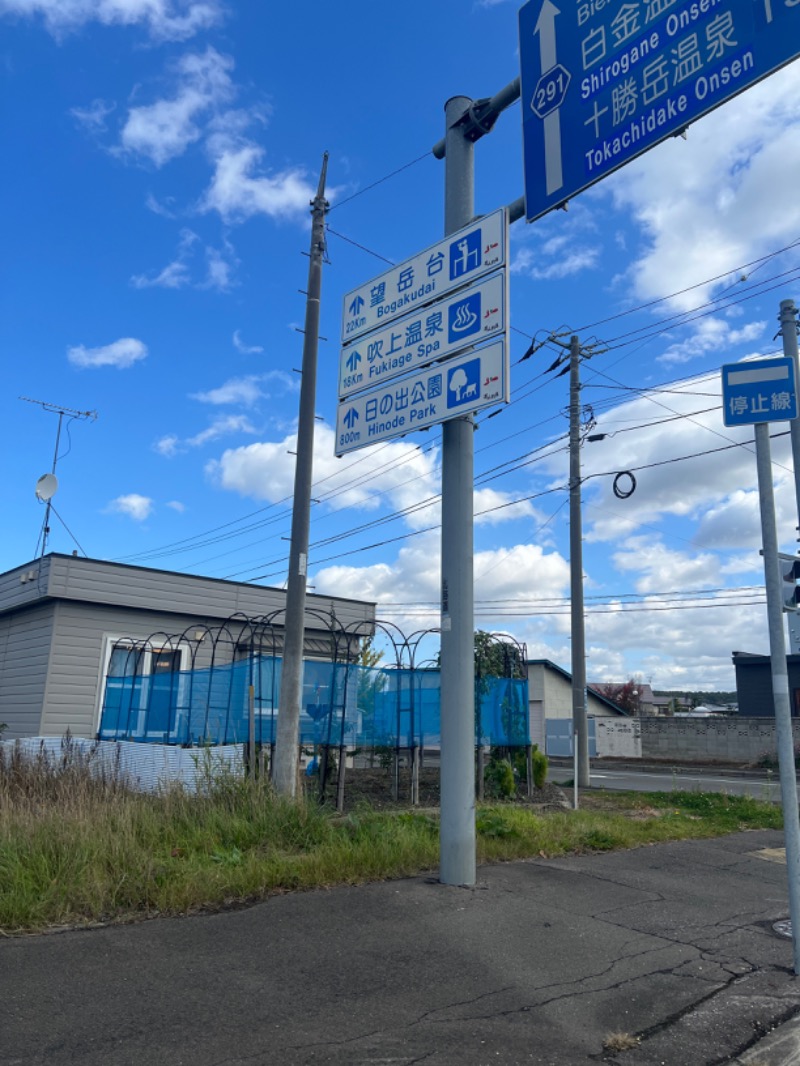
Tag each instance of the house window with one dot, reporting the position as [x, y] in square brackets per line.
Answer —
[159, 680]
[129, 660]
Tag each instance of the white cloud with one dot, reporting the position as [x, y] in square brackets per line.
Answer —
[221, 427]
[220, 265]
[493, 507]
[397, 472]
[175, 275]
[237, 193]
[710, 335]
[166, 20]
[660, 568]
[245, 349]
[197, 110]
[164, 209]
[93, 117]
[407, 589]
[564, 266]
[120, 354]
[246, 390]
[165, 129]
[397, 476]
[167, 445]
[176, 505]
[133, 505]
[720, 199]
[559, 246]
[171, 444]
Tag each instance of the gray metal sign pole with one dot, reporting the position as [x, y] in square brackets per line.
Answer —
[457, 855]
[780, 681]
[579, 725]
[284, 772]
[788, 321]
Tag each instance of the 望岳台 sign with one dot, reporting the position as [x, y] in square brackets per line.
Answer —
[454, 262]
[602, 82]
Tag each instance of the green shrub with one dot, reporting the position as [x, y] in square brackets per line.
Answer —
[539, 767]
[499, 780]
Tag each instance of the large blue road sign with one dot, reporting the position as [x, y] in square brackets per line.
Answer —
[604, 80]
[458, 260]
[465, 383]
[762, 390]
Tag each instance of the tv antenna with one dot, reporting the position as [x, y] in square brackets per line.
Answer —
[47, 485]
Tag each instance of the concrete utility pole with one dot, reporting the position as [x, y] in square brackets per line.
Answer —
[780, 681]
[579, 723]
[457, 855]
[284, 772]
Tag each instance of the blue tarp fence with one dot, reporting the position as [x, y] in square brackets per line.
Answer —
[343, 704]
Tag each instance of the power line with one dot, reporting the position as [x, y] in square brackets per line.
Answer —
[690, 288]
[380, 181]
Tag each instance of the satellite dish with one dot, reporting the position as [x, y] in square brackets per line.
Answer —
[46, 487]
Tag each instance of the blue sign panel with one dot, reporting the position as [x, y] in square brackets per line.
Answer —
[469, 382]
[458, 260]
[470, 316]
[604, 80]
[763, 390]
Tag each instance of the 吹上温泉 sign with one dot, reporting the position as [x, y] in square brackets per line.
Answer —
[463, 384]
[603, 81]
[440, 330]
[450, 264]
[761, 390]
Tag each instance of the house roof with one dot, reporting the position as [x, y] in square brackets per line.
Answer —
[68, 577]
[548, 664]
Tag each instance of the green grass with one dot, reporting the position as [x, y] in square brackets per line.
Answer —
[76, 851]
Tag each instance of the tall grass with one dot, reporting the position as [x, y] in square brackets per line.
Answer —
[80, 847]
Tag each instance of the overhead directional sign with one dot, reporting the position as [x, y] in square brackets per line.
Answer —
[472, 315]
[762, 390]
[458, 260]
[463, 384]
[602, 82]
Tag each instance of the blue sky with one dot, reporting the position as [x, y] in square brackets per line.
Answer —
[159, 159]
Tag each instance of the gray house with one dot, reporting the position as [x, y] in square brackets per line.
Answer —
[66, 623]
[754, 684]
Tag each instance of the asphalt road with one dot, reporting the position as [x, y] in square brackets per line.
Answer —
[543, 963]
[762, 787]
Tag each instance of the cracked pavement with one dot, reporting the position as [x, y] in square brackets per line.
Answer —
[539, 963]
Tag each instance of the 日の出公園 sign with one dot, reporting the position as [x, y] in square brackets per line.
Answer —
[440, 330]
[463, 384]
[460, 258]
[760, 390]
[602, 82]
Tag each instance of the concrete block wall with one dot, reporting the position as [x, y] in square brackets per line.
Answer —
[738, 740]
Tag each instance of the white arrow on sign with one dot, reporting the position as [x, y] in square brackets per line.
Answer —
[551, 124]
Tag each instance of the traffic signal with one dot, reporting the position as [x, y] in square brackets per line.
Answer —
[790, 573]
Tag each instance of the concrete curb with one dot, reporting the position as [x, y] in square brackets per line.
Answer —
[680, 769]
[781, 1047]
